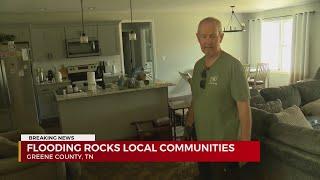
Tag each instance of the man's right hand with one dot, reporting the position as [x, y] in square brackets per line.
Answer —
[190, 118]
[189, 124]
[188, 132]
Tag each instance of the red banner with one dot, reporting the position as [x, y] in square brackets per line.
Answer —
[139, 151]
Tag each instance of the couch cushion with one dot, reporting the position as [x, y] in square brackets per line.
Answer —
[7, 148]
[271, 106]
[261, 121]
[303, 138]
[309, 90]
[293, 116]
[289, 95]
[312, 108]
[317, 76]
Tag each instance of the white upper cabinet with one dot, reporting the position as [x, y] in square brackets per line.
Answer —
[74, 31]
[48, 42]
[109, 39]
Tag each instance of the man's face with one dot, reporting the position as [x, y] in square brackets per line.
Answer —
[209, 38]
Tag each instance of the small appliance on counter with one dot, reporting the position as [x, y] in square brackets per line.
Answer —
[91, 81]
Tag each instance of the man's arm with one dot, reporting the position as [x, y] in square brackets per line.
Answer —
[190, 117]
[245, 120]
[189, 123]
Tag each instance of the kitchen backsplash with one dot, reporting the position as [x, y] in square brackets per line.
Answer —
[56, 64]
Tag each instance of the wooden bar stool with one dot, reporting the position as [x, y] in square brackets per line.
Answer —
[158, 129]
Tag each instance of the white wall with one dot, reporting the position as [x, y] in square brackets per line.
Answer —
[175, 41]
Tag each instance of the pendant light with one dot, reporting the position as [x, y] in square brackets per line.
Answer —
[83, 37]
[237, 27]
[132, 34]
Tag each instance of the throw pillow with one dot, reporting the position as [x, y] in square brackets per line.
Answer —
[289, 95]
[258, 99]
[293, 116]
[312, 108]
[309, 90]
[271, 106]
[7, 148]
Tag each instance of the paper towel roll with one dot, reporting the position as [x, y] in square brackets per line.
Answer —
[91, 77]
[92, 87]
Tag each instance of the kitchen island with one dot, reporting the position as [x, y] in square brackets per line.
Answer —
[109, 113]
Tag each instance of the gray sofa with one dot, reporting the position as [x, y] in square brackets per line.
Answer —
[10, 168]
[287, 151]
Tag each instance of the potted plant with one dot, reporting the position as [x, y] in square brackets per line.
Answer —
[7, 37]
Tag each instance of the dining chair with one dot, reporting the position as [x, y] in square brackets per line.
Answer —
[261, 77]
[246, 68]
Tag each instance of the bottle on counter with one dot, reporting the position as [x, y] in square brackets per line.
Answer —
[37, 78]
[50, 75]
[41, 75]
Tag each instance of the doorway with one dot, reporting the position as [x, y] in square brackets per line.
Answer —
[138, 55]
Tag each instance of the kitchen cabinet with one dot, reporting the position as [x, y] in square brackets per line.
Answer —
[47, 104]
[109, 38]
[20, 31]
[74, 31]
[48, 42]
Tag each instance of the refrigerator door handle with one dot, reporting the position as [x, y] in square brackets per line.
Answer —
[4, 75]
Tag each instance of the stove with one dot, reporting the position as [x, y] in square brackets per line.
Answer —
[78, 74]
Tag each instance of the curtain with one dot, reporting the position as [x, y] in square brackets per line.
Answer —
[300, 47]
[254, 49]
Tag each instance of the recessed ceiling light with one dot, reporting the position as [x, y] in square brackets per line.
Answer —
[91, 8]
[43, 9]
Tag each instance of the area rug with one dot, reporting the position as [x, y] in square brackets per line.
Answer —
[145, 171]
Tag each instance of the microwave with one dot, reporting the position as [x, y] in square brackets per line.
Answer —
[76, 49]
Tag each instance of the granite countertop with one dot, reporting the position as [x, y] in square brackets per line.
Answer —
[100, 92]
[53, 83]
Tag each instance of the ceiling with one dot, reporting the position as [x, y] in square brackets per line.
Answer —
[243, 6]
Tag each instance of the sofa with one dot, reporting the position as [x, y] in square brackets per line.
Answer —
[317, 76]
[10, 168]
[288, 150]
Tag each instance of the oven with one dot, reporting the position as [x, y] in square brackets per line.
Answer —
[78, 74]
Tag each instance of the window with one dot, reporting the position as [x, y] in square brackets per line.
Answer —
[276, 43]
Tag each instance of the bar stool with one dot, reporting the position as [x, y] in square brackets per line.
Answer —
[178, 109]
[157, 129]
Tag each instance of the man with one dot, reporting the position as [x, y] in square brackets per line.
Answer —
[220, 108]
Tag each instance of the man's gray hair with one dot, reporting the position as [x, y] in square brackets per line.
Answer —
[211, 20]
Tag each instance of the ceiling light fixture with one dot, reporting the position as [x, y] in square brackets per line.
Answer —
[239, 27]
[132, 34]
[83, 37]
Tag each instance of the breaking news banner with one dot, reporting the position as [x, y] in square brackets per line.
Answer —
[84, 148]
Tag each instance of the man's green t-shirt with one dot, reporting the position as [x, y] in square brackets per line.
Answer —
[215, 106]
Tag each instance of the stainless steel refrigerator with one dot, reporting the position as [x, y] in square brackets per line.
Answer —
[17, 98]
